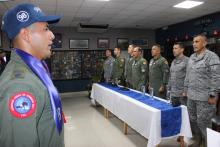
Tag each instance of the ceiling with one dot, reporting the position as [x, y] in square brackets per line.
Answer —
[149, 14]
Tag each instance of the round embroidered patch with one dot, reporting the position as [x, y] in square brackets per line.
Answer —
[22, 105]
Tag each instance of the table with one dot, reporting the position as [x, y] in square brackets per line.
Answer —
[213, 138]
[143, 118]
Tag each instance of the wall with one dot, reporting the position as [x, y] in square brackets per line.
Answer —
[112, 34]
[207, 23]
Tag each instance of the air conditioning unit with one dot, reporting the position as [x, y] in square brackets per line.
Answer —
[91, 28]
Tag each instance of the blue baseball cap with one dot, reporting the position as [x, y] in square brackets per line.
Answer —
[23, 15]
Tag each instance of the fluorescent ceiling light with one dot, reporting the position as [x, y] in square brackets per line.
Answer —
[103, 0]
[188, 4]
[99, 0]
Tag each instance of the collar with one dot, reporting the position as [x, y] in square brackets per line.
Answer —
[200, 56]
[136, 59]
[17, 59]
[156, 58]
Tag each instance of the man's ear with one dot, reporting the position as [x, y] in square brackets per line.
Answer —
[205, 43]
[25, 35]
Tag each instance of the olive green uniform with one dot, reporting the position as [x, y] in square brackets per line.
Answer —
[36, 130]
[128, 71]
[118, 68]
[97, 75]
[158, 75]
[139, 71]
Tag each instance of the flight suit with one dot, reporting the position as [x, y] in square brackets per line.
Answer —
[97, 76]
[107, 67]
[35, 129]
[202, 80]
[139, 71]
[128, 71]
[177, 77]
[118, 68]
[158, 75]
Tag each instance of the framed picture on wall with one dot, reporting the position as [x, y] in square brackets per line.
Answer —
[79, 43]
[140, 42]
[123, 43]
[57, 42]
[103, 43]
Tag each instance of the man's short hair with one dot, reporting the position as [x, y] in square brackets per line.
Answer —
[109, 50]
[118, 48]
[201, 35]
[139, 48]
[180, 44]
[158, 46]
[132, 45]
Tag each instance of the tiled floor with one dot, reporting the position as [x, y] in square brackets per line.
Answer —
[87, 127]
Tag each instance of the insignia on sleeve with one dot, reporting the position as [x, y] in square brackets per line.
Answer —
[122, 60]
[22, 105]
[166, 62]
[145, 62]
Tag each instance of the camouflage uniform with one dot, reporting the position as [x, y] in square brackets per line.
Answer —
[177, 77]
[158, 75]
[107, 67]
[201, 82]
[139, 70]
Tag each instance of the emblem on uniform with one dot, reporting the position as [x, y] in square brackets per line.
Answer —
[166, 62]
[22, 16]
[22, 105]
[144, 62]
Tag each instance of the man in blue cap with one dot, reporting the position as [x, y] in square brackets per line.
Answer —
[31, 111]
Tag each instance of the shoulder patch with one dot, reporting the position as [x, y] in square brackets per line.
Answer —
[22, 105]
[166, 62]
[145, 62]
[122, 60]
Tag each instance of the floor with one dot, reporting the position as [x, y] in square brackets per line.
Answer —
[87, 127]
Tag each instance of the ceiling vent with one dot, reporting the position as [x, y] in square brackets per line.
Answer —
[91, 28]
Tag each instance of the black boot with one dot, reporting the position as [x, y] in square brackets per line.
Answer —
[197, 137]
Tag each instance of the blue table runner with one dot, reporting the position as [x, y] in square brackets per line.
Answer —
[171, 117]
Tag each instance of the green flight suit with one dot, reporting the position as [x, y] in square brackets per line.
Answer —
[118, 68]
[97, 75]
[128, 72]
[158, 75]
[139, 72]
[36, 130]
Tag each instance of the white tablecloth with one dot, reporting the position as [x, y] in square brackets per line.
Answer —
[213, 138]
[141, 117]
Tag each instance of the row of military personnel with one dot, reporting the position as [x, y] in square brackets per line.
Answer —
[135, 70]
[194, 81]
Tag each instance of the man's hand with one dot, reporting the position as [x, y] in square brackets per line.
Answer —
[149, 87]
[212, 101]
[161, 90]
[184, 94]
